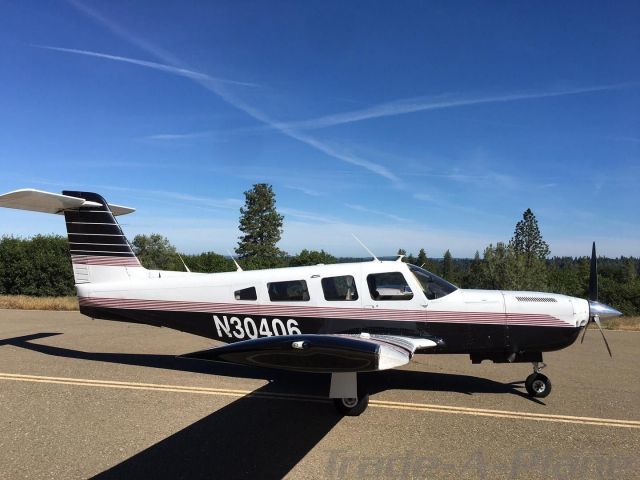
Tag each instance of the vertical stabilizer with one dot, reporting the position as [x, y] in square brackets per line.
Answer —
[99, 250]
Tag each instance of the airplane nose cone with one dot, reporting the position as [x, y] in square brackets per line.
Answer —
[602, 310]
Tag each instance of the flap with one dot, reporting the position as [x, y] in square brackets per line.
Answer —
[319, 353]
[47, 202]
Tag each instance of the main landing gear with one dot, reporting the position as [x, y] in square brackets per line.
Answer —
[347, 398]
[537, 384]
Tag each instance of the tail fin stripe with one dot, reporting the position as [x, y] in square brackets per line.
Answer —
[105, 261]
[102, 253]
[97, 229]
[97, 239]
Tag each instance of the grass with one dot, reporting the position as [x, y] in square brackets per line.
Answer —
[622, 323]
[24, 302]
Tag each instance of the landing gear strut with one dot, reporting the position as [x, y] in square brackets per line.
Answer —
[347, 398]
[537, 384]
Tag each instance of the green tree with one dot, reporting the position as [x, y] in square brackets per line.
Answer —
[474, 278]
[312, 257]
[447, 266]
[530, 252]
[422, 259]
[155, 252]
[261, 225]
[39, 266]
[527, 239]
[209, 262]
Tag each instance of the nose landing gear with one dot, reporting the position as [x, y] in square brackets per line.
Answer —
[537, 384]
[348, 399]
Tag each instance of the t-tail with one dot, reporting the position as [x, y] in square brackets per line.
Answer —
[99, 250]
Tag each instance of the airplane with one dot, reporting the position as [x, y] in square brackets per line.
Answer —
[341, 319]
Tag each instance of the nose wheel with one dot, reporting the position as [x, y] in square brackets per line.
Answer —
[537, 384]
[348, 399]
[351, 407]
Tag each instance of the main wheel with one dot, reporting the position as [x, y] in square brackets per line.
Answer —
[538, 385]
[351, 407]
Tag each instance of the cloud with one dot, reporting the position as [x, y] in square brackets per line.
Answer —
[421, 104]
[220, 88]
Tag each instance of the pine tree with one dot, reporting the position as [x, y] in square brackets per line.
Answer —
[529, 252]
[261, 225]
[422, 259]
[474, 279]
[527, 239]
[447, 266]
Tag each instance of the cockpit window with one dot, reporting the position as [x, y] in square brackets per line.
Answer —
[432, 285]
[389, 286]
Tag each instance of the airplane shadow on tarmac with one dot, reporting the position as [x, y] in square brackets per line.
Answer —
[251, 437]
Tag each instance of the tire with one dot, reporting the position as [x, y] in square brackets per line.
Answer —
[538, 385]
[351, 407]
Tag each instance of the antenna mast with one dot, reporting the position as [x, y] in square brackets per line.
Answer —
[365, 247]
[239, 268]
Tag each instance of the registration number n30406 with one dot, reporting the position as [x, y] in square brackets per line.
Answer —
[247, 327]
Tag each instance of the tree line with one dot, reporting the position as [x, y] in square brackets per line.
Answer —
[40, 265]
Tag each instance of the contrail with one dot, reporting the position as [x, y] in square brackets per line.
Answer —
[420, 104]
[183, 72]
[219, 89]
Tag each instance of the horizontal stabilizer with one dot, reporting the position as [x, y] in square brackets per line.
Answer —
[319, 353]
[47, 202]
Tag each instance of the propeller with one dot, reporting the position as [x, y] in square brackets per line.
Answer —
[597, 309]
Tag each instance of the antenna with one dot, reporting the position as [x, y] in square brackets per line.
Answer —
[365, 247]
[185, 265]
[239, 269]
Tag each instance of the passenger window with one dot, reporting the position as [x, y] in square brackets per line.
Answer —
[291, 291]
[339, 288]
[389, 286]
[246, 294]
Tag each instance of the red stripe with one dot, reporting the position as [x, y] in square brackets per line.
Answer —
[105, 261]
[489, 318]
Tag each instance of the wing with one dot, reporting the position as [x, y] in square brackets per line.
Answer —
[320, 353]
[47, 202]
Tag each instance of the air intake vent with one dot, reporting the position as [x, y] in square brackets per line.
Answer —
[536, 299]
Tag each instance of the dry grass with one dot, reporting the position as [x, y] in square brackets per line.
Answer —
[23, 302]
[622, 323]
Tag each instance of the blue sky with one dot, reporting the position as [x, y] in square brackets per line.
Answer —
[409, 124]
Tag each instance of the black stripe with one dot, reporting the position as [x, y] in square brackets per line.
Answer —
[99, 248]
[95, 217]
[99, 229]
[115, 240]
[101, 253]
[456, 338]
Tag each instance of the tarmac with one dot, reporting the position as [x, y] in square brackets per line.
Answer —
[81, 398]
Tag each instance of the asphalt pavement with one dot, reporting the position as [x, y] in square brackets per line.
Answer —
[81, 398]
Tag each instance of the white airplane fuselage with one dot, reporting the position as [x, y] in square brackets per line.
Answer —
[463, 321]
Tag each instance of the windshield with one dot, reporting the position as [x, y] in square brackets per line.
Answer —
[432, 285]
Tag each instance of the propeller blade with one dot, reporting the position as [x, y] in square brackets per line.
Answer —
[584, 332]
[593, 274]
[597, 320]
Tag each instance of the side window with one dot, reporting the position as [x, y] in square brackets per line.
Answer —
[246, 294]
[389, 286]
[291, 291]
[339, 288]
